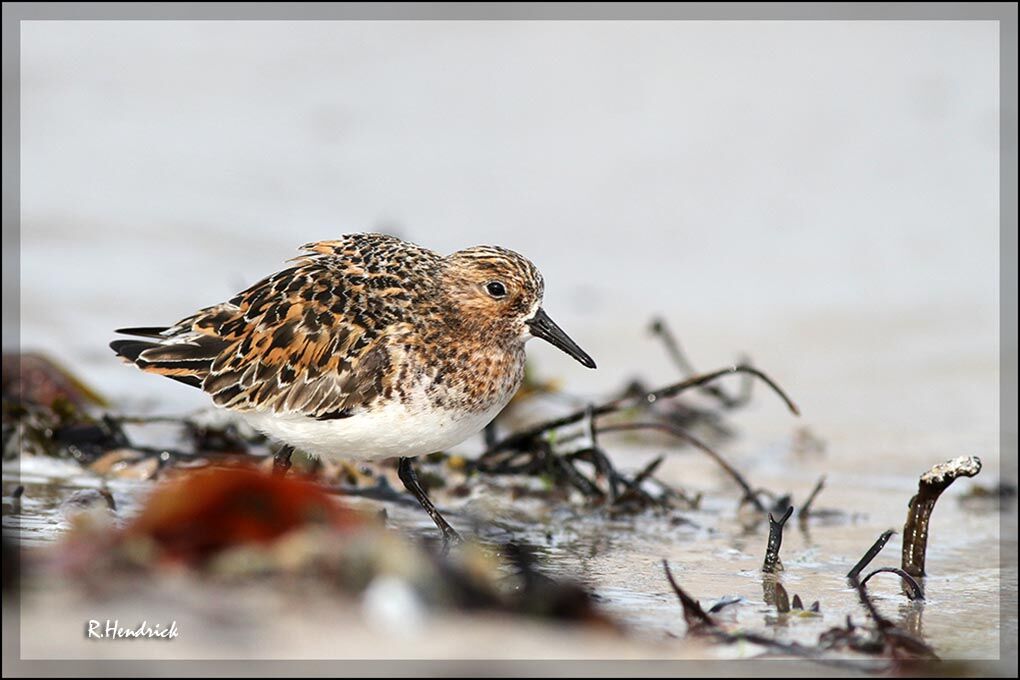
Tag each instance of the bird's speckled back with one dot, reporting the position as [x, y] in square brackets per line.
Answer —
[354, 321]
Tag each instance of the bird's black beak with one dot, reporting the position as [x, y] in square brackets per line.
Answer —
[544, 327]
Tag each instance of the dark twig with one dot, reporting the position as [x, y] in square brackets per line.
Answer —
[678, 356]
[871, 554]
[694, 615]
[779, 597]
[686, 368]
[862, 594]
[805, 509]
[634, 489]
[677, 494]
[647, 471]
[669, 428]
[895, 641]
[605, 467]
[522, 438]
[723, 603]
[565, 467]
[510, 463]
[930, 486]
[771, 563]
[599, 459]
[914, 591]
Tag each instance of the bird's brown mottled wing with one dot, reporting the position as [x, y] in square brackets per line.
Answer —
[313, 339]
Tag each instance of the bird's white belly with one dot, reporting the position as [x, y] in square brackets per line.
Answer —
[393, 429]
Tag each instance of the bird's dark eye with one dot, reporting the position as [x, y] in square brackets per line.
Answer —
[495, 289]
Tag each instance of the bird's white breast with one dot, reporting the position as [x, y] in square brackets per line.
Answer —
[388, 429]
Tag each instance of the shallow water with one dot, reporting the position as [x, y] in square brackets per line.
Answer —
[712, 554]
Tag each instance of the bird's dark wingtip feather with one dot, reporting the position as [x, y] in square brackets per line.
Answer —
[144, 331]
[130, 349]
[192, 380]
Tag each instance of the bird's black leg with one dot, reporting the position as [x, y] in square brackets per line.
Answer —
[405, 470]
[281, 461]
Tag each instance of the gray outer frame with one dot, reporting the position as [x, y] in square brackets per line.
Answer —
[1005, 13]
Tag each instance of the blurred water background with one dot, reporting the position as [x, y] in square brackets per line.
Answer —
[743, 179]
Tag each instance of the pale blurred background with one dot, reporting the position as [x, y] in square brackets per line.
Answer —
[820, 195]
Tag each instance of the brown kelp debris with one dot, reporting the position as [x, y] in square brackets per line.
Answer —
[521, 439]
[199, 514]
[547, 449]
[590, 473]
[773, 591]
[697, 620]
[48, 411]
[33, 378]
[930, 487]
[223, 438]
[234, 523]
[101, 443]
[701, 623]
[775, 594]
[884, 640]
[207, 511]
[911, 587]
[798, 605]
[60, 430]
[771, 563]
[44, 409]
[871, 554]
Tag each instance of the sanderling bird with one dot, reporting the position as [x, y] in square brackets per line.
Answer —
[367, 347]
